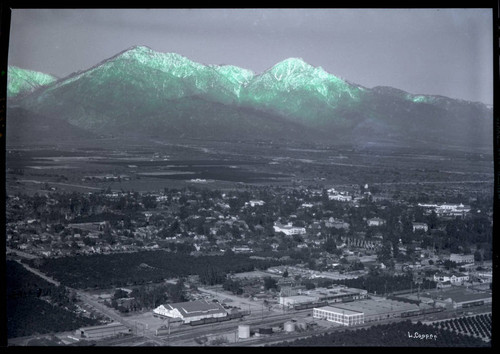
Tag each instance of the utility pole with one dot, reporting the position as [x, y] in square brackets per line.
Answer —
[168, 333]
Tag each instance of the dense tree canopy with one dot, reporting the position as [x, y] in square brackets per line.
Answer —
[120, 269]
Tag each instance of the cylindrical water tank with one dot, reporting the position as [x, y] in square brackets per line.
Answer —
[289, 326]
[243, 331]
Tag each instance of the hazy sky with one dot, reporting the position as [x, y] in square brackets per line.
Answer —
[445, 52]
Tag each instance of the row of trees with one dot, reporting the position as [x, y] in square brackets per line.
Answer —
[479, 325]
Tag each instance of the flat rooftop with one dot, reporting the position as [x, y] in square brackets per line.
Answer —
[467, 295]
[340, 310]
[321, 292]
[302, 298]
[107, 327]
[460, 294]
[372, 307]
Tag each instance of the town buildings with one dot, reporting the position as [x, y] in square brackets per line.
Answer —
[338, 196]
[454, 279]
[446, 209]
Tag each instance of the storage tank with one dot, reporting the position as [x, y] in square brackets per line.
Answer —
[243, 331]
[289, 326]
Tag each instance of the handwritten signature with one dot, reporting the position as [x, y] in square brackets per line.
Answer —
[422, 336]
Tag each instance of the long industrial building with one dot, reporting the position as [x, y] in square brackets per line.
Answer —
[358, 312]
[331, 295]
[104, 331]
[191, 310]
[458, 297]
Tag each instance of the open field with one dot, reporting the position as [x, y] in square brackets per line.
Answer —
[151, 166]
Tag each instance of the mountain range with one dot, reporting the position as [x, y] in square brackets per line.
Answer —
[22, 81]
[143, 92]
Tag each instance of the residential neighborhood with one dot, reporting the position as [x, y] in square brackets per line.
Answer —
[198, 221]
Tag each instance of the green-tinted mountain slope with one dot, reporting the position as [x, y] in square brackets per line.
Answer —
[22, 81]
[302, 92]
[140, 90]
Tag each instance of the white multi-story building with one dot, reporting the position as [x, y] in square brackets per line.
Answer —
[339, 315]
[289, 229]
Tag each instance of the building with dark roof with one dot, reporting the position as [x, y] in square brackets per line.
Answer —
[467, 298]
[459, 297]
[104, 331]
[191, 310]
[332, 295]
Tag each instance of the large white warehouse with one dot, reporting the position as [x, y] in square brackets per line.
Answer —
[191, 310]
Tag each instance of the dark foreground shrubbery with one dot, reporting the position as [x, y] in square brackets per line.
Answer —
[35, 306]
[400, 334]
